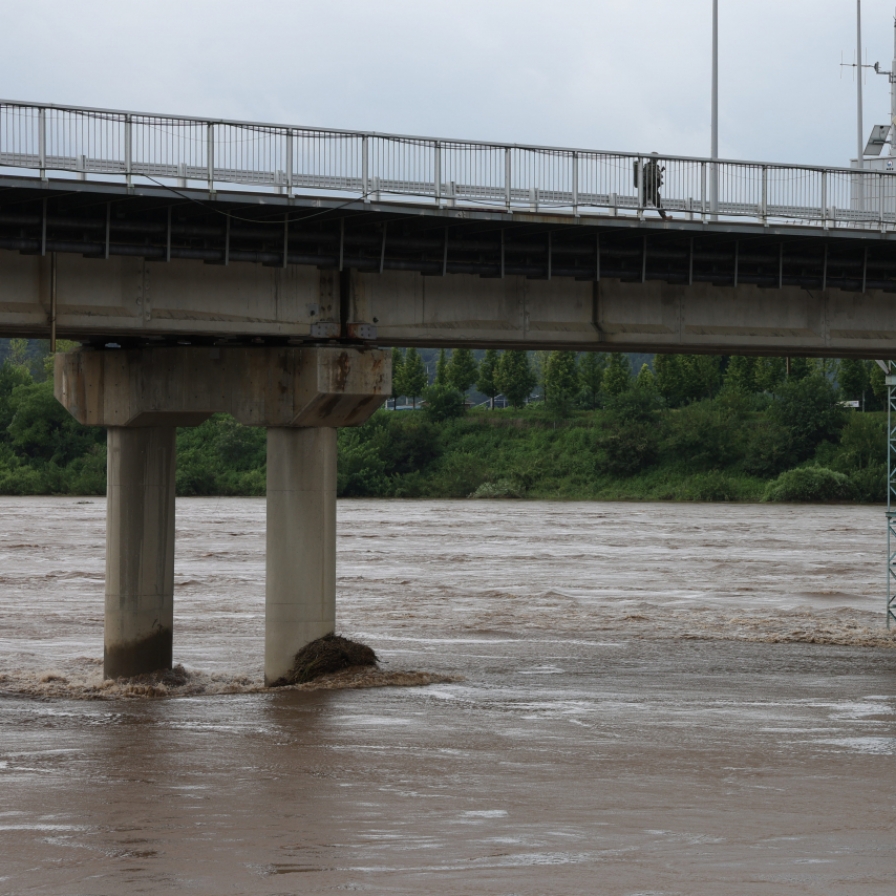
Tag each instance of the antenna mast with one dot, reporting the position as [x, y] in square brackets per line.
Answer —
[860, 155]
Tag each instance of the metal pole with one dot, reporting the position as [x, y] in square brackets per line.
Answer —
[860, 155]
[714, 150]
[859, 127]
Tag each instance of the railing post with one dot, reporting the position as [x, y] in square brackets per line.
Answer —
[575, 183]
[640, 187]
[824, 199]
[703, 192]
[128, 135]
[880, 201]
[42, 142]
[210, 156]
[289, 151]
[508, 196]
[437, 172]
[763, 211]
[365, 186]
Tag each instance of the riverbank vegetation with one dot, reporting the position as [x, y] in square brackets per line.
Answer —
[693, 428]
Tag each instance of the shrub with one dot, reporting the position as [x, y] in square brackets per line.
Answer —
[809, 484]
[443, 403]
[711, 486]
[627, 448]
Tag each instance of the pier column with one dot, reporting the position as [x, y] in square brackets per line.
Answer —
[300, 584]
[139, 550]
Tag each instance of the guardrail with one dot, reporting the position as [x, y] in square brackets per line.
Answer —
[291, 160]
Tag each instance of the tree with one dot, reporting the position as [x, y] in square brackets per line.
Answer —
[462, 369]
[645, 379]
[486, 379]
[853, 379]
[397, 375]
[561, 380]
[667, 369]
[591, 374]
[414, 379]
[808, 410]
[740, 376]
[769, 373]
[702, 376]
[618, 375]
[800, 368]
[515, 377]
[878, 384]
[441, 378]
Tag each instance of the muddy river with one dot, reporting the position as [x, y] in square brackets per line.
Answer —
[624, 699]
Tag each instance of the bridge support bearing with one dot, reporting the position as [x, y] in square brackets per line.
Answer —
[139, 550]
[301, 395]
[300, 573]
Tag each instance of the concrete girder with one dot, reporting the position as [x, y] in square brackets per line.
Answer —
[129, 298]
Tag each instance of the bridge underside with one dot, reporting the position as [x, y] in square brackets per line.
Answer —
[151, 265]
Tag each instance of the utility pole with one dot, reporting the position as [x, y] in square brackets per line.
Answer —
[714, 150]
[860, 128]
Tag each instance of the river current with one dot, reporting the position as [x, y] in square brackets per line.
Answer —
[631, 699]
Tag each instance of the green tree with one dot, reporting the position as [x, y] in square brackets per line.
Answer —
[702, 376]
[397, 375]
[618, 375]
[878, 384]
[645, 378]
[808, 410]
[441, 378]
[515, 377]
[853, 378]
[591, 374]
[769, 373]
[740, 375]
[800, 368]
[561, 380]
[667, 369]
[486, 380]
[462, 369]
[414, 379]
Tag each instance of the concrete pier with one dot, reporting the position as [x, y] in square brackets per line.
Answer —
[301, 395]
[139, 550]
[300, 581]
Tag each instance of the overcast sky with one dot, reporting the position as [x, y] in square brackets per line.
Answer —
[627, 75]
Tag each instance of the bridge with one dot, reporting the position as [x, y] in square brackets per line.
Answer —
[210, 266]
[133, 228]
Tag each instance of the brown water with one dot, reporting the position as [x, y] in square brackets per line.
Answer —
[656, 699]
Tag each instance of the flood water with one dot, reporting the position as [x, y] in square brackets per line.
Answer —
[631, 699]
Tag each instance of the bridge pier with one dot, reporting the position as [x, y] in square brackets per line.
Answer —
[139, 550]
[301, 395]
[300, 563]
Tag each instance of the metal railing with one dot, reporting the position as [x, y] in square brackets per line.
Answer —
[176, 150]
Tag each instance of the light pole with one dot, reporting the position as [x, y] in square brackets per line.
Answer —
[714, 150]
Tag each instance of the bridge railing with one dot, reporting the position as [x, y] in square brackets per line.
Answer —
[177, 151]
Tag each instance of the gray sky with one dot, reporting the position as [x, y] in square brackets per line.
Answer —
[605, 74]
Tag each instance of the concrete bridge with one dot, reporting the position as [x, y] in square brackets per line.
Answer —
[209, 266]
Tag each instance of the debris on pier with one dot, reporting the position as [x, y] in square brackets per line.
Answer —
[331, 653]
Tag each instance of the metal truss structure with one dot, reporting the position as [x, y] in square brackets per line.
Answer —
[891, 492]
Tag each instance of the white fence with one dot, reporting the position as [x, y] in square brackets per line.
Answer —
[176, 150]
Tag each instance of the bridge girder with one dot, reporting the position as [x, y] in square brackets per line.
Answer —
[152, 264]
